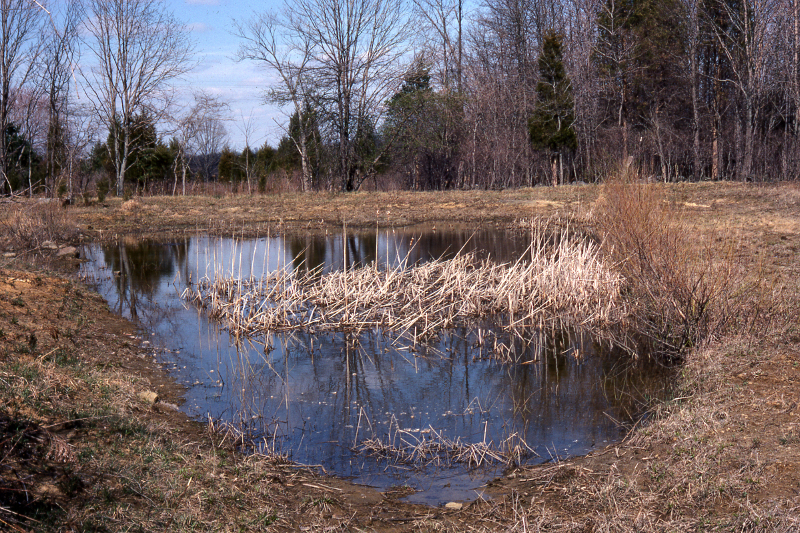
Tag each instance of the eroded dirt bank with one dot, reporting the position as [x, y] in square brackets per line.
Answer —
[81, 448]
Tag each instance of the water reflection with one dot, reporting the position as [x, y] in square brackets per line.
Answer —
[138, 268]
[317, 397]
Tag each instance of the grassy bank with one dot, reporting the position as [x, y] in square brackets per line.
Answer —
[82, 449]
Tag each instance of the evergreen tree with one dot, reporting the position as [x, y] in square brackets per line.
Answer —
[23, 161]
[266, 163]
[287, 157]
[301, 147]
[228, 169]
[551, 126]
[423, 127]
[149, 158]
[639, 56]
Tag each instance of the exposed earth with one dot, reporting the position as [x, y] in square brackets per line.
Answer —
[83, 447]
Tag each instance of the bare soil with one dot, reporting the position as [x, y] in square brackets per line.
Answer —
[82, 450]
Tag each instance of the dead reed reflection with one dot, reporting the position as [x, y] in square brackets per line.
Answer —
[295, 399]
[379, 366]
[560, 281]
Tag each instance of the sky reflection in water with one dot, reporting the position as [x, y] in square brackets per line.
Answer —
[317, 397]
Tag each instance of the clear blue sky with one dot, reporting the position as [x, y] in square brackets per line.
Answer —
[241, 85]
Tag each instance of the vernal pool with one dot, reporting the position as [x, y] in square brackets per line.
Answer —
[367, 407]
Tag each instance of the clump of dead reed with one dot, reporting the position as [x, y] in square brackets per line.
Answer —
[561, 279]
[26, 226]
[682, 288]
[432, 448]
[245, 440]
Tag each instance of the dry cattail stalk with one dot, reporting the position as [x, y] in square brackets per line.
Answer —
[560, 280]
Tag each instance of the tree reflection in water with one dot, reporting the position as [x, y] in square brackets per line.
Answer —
[315, 397]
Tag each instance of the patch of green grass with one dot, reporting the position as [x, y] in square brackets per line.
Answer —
[264, 519]
[27, 372]
[18, 302]
[789, 438]
[324, 500]
[85, 455]
[127, 428]
[63, 358]
[91, 526]
[23, 349]
[45, 514]
[107, 495]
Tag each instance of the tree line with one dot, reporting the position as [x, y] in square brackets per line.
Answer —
[416, 94]
[523, 92]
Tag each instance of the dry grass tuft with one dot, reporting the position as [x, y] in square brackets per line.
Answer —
[26, 226]
[432, 448]
[131, 206]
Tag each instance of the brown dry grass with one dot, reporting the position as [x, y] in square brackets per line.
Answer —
[228, 215]
[703, 463]
[26, 226]
[684, 286]
[723, 456]
[560, 281]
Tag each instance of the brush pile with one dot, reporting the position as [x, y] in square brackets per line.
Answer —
[559, 280]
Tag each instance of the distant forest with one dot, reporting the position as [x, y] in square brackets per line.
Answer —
[411, 94]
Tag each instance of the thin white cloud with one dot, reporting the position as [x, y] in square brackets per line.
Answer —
[199, 27]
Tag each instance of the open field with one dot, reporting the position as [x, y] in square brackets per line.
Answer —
[322, 211]
[81, 449]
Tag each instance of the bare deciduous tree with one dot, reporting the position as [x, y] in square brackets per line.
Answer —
[210, 133]
[20, 44]
[201, 134]
[268, 40]
[138, 49]
[59, 58]
[29, 115]
[80, 133]
[352, 52]
[748, 45]
[248, 159]
[444, 18]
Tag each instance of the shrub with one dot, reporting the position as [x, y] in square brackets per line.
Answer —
[102, 190]
[682, 287]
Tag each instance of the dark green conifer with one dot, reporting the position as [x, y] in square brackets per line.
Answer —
[551, 126]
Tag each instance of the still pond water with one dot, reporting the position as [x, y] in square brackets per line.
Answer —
[318, 398]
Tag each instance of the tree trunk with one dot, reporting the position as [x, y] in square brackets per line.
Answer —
[796, 77]
[696, 165]
[747, 166]
[460, 17]
[303, 163]
[30, 179]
